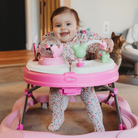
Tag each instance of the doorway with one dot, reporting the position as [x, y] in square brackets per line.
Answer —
[12, 25]
[46, 9]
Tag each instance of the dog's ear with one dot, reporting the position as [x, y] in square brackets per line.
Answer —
[113, 35]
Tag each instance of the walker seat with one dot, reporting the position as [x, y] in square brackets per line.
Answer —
[110, 75]
[90, 66]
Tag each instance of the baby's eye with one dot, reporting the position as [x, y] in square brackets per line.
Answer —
[68, 24]
[57, 25]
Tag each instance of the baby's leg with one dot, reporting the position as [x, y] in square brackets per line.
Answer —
[56, 106]
[93, 108]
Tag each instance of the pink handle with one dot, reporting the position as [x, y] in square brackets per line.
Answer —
[34, 52]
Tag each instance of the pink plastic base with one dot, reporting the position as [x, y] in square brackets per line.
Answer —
[70, 79]
[9, 124]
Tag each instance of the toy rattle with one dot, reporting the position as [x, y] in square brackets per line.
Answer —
[80, 51]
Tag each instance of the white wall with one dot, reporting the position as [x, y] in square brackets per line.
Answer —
[122, 14]
[32, 22]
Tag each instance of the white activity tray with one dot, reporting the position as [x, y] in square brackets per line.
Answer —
[90, 66]
[58, 69]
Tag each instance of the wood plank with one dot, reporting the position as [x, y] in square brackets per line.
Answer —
[12, 65]
[15, 58]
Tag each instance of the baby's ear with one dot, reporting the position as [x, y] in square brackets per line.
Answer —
[113, 35]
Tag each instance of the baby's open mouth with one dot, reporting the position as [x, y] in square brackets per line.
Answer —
[64, 33]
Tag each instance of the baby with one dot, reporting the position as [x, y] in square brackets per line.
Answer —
[65, 23]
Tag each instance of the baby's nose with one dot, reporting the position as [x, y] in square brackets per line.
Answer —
[63, 27]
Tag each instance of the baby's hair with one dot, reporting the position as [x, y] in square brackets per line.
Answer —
[65, 9]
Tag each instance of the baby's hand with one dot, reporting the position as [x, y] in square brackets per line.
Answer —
[110, 44]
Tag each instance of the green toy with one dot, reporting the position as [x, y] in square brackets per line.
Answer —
[105, 57]
[80, 51]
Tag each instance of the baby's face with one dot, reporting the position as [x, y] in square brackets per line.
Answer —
[65, 27]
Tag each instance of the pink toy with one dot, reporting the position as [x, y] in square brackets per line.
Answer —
[34, 42]
[70, 83]
[50, 50]
[103, 46]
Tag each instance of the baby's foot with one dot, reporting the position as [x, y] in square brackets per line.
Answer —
[54, 126]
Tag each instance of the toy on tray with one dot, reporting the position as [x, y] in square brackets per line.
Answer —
[50, 51]
[80, 51]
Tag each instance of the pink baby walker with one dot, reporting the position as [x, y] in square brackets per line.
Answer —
[52, 71]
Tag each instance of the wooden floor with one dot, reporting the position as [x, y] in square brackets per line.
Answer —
[15, 58]
[12, 65]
